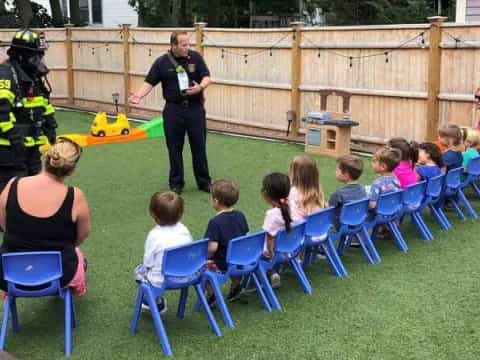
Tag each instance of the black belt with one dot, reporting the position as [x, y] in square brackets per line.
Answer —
[185, 103]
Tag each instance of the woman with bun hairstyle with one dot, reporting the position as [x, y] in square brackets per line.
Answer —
[42, 213]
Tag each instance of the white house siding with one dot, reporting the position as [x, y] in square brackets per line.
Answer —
[114, 12]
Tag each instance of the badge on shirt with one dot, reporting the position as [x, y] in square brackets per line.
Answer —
[182, 77]
[191, 68]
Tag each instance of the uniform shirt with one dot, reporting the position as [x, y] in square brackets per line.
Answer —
[426, 172]
[159, 239]
[452, 159]
[164, 71]
[468, 155]
[405, 173]
[383, 184]
[224, 227]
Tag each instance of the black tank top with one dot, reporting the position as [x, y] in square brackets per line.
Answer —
[24, 232]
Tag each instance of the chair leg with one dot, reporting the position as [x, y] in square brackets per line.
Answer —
[374, 233]
[136, 311]
[74, 315]
[398, 237]
[331, 261]
[222, 306]
[208, 311]
[471, 212]
[330, 250]
[341, 244]
[157, 321]
[261, 293]
[476, 188]
[182, 303]
[304, 282]
[439, 216]
[457, 209]
[3, 331]
[68, 322]
[368, 247]
[421, 225]
[13, 309]
[269, 292]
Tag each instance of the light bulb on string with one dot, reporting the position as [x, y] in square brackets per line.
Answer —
[318, 54]
[270, 52]
[223, 53]
[246, 58]
[422, 40]
[351, 61]
[386, 57]
[93, 51]
[149, 52]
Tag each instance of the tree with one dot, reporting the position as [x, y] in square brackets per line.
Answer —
[57, 16]
[154, 13]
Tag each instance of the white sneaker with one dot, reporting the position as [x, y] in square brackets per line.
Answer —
[275, 281]
[161, 304]
[320, 257]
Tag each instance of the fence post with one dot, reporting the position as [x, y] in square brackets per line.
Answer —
[70, 77]
[434, 68]
[126, 66]
[199, 26]
[296, 75]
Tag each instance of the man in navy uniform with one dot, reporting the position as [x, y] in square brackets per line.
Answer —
[184, 75]
[26, 116]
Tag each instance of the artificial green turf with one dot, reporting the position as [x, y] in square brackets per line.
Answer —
[420, 305]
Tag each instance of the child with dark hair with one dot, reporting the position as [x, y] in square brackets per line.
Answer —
[405, 171]
[275, 191]
[226, 225]
[452, 157]
[384, 162]
[430, 161]
[166, 209]
[348, 171]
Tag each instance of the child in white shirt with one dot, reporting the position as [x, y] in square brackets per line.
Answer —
[166, 208]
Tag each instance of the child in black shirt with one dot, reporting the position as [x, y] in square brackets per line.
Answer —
[227, 224]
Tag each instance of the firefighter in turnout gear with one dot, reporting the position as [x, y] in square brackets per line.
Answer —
[26, 116]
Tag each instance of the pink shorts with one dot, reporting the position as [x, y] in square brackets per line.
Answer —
[78, 285]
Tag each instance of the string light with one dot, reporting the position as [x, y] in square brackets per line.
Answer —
[422, 40]
[246, 58]
[319, 53]
[386, 57]
[149, 52]
[223, 53]
[351, 61]
[271, 54]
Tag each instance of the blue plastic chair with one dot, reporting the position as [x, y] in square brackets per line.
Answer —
[319, 225]
[243, 260]
[433, 200]
[454, 194]
[387, 212]
[413, 198]
[473, 175]
[35, 274]
[287, 247]
[182, 267]
[352, 225]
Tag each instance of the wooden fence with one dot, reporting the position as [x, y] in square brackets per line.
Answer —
[406, 80]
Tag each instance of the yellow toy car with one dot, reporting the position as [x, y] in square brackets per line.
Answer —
[101, 127]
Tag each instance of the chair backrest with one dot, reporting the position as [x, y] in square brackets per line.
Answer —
[473, 167]
[185, 260]
[414, 194]
[320, 222]
[39, 270]
[246, 250]
[354, 213]
[435, 186]
[453, 179]
[291, 241]
[390, 203]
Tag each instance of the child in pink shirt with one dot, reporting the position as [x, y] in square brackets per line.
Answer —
[405, 171]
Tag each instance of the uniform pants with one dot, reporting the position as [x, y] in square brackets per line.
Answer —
[190, 119]
[29, 165]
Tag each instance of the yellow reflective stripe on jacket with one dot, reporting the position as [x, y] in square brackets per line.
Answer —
[7, 94]
[37, 101]
[29, 141]
[7, 125]
[49, 109]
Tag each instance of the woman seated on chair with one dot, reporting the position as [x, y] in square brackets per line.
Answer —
[41, 213]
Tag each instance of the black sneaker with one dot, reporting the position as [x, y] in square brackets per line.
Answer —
[234, 293]
[177, 190]
[205, 188]
[211, 300]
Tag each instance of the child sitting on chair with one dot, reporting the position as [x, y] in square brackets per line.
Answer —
[348, 171]
[275, 191]
[166, 209]
[384, 162]
[452, 157]
[405, 170]
[430, 161]
[226, 225]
